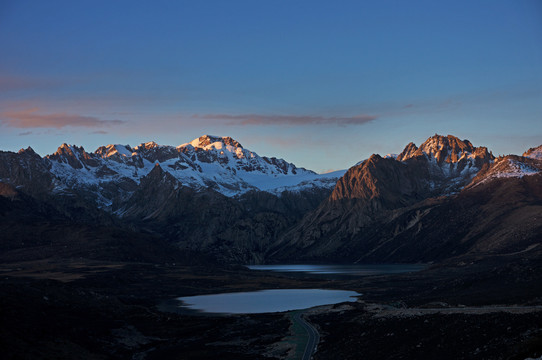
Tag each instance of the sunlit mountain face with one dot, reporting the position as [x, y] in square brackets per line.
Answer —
[126, 235]
[220, 163]
[215, 196]
[323, 199]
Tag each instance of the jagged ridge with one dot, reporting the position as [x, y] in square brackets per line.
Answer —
[441, 166]
[220, 163]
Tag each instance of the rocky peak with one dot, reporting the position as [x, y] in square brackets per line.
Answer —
[71, 154]
[157, 169]
[156, 153]
[207, 140]
[382, 183]
[159, 176]
[158, 181]
[66, 149]
[26, 171]
[147, 146]
[111, 150]
[534, 153]
[510, 166]
[408, 152]
[27, 151]
[446, 149]
[156, 190]
[441, 165]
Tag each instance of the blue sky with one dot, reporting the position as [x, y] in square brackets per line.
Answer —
[322, 84]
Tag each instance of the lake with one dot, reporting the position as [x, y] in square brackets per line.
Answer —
[265, 301]
[278, 300]
[347, 269]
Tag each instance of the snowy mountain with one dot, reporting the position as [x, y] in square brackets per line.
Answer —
[511, 166]
[451, 162]
[213, 196]
[444, 199]
[534, 153]
[219, 163]
[210, 195]
[441, 166]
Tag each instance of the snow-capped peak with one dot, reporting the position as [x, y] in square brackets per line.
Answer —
[510, 166]
[446, 149]
[146, 145]
[208, 161]
[207, 141]
[117, 149]
[449, 160]
[513, 167]
[534, 153]
[67, 149]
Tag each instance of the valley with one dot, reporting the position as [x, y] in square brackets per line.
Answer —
[94, 246]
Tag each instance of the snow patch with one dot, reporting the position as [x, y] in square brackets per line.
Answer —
[231, 170]
[516, 169]
[123, 150]
[535, 153]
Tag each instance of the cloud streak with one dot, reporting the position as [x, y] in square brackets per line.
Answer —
[297, 120]
[31, 118]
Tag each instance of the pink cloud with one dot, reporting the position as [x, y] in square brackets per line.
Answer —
[256, 119]
[31, 118]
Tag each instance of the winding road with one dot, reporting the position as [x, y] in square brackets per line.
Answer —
[314, 337]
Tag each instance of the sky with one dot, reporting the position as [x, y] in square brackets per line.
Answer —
[322, 84]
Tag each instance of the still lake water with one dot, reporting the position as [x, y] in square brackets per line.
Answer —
[277, 300]
[347, 269]
[265, 301]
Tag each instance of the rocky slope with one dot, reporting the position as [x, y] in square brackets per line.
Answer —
[28, 171]
[444, 199]
[34, 230]
[534, 153]
[108, 177]
[113, 172]
[229, 229]
[210, 195]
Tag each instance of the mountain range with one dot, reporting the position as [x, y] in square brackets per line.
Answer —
[446, 199]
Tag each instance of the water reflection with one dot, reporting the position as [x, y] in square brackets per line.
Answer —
[349, 269]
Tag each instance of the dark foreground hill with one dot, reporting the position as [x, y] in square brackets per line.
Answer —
[89, 281]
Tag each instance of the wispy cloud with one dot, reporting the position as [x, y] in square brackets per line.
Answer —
[99, 132]
[257, 119]
[32, 118]
[25, 133]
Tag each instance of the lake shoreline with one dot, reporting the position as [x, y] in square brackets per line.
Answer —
[266, 301]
